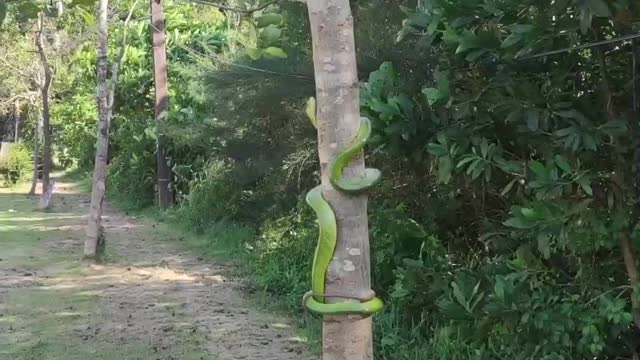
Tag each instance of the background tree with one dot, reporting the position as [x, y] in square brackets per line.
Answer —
[161, 108]
[106, 89]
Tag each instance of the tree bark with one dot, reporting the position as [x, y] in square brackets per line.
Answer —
[102, 147]
[46, 123]
[344, 337]
[106, 91]
[165, 197]
[16, 119]
[36, 156]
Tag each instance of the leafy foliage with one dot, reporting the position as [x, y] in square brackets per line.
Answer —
[18, 165]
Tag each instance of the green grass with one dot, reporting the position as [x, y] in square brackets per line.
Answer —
[50, 317]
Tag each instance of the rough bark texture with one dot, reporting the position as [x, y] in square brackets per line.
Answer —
[344, 337]
[46, 123]
[102, 148]
[16, 119]
[36, 156]
[165, 198]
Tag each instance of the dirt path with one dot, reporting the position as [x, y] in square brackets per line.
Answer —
[150, 300]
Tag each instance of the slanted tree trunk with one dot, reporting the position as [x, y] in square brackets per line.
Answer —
[106, 91]
[46, 123]
[338, 117]
[165, 197]
[102, 148]
[36, 155]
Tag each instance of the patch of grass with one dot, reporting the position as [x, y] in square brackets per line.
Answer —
[54, 317]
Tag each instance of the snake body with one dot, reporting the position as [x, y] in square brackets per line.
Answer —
[327, 239]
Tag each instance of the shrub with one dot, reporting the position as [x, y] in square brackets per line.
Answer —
[285, 252]
[17, 165]
[213, 198]
[131, 180]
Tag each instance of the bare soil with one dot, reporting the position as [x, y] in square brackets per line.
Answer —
[151, 299]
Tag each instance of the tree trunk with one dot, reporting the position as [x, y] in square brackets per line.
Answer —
[46, 123]
[165, 198]
[338, 116]
[16, 119]
[36, 156]
[102, 146]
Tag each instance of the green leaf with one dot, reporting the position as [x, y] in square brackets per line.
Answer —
[564, 132]
[475, 54]
[528, 213]
[517, 223]
[464, 161]
[434, 95]
[533, 119]
[511, 40]
[484, 147]
[508, 187]
[445, 166]
[253, 53]
[585, 184]
[459, 296]
[88, 17]
[437, 149]
[269, 19]
[274, 52]
[270, 34]
[544, 246]
[538, 168]
[562, 163]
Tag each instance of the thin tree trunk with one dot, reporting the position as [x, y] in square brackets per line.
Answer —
[16, 119]
[36, 156]
[344, 337]
[46, 123]
[106, 91]
[102, 147]
[165, 198]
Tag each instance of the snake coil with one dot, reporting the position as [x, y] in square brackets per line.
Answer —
[327, 239]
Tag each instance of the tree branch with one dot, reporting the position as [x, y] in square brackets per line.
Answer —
[234, 9]
[115, 67]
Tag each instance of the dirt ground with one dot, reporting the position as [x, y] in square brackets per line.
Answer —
[151, 299]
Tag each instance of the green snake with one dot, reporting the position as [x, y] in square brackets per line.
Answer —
[314, 299]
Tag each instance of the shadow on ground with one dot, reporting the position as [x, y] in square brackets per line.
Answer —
[149, 300]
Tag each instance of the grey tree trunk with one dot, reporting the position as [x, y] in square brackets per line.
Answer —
[165, 197]
[338, 115]
[46, 123]
[16, 119]
[102, 147]
[36, 156]
[106, 91]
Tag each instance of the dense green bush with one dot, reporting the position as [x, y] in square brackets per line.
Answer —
[213, 198]
[18, 165]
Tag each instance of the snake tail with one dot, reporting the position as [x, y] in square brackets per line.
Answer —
[369, 307]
